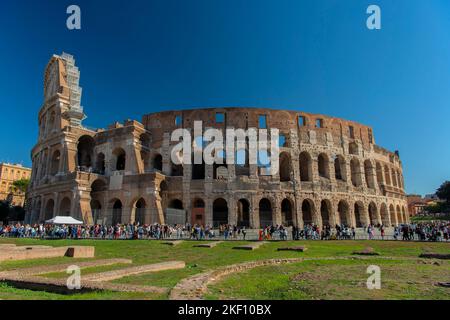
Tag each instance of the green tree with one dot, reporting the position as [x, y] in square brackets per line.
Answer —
[444, 191]
[21, 185]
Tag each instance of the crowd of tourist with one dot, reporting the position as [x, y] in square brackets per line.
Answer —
[430, 231]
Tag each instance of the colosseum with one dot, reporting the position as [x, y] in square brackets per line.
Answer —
[330, 170]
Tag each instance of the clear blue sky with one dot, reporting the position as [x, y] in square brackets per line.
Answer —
[138, 57]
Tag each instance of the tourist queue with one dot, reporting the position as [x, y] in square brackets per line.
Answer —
[431, 231]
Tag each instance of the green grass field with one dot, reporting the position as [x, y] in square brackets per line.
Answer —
[403, 274]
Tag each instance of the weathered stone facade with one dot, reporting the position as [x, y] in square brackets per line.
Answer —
[331, 170]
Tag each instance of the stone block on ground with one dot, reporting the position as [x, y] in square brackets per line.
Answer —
[250, 246]
[80, 252]
[435, 256]
[444, 284]
[368, 251]
[173, 242]
[207, 245]
[298, 249]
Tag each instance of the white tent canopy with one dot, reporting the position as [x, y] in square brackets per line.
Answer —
[63, 220]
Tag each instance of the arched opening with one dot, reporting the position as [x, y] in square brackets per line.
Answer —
[220, 171]
[399, 215]
[323, 166]
[305, 166]
[120, 157]
[265, 213]
[286, 213]
[64, 207]
[157, 162]
[220, 212]
[405, 218]
[116, 212]
[139, 211]
[307, 212]
[353, 148]
[384, 215]
[49, 208]
[373, 214]
[85, 152]
[96, 209]
[369, 174]
[394, 177]
[243, 213]
[198, 170]
[394, 220]
[176, 204]
[100, 163]
[379, 170]
[355, 170]
[325, 212]
[359, 214]
[344, 213]
[285, 167]
[339, 168]
[198, 212]
[387, 175]
[54, 166]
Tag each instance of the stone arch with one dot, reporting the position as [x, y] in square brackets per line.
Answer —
[379, 171]
[344, 213]
[285, 168]
[265, 213]
[387, 175]
[64, 207]
[85, 152]
[138, 211]
[119, 159]
[54, 165]
[394, 220]
[49, 209]
[323, 166]
[399, 215]
[325, 212]
[405, 218]
[220, 212]
[308, 211]
[243, 213]
[394, 177]
[176, 204]
[373, 214]
[198, 211]
[340, 171]
[369, 174]
[305, 162]
[359, 214]
[384, 214]
[355, 170]
[116, 207]
[96, 209]
[287, 213]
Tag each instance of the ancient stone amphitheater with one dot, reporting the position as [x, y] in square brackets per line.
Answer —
[330, 170]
